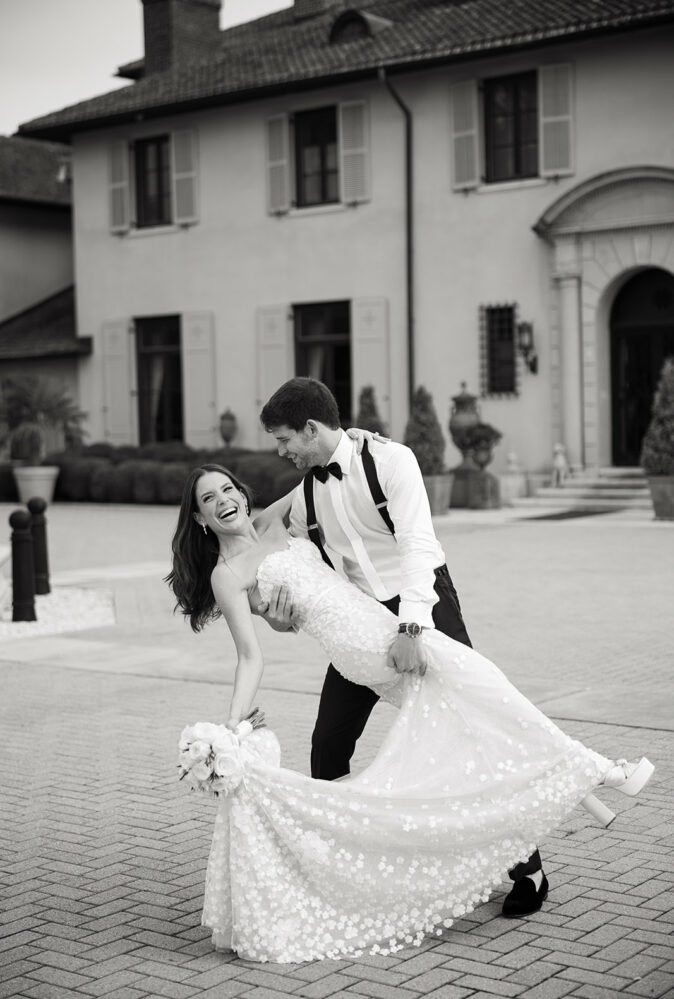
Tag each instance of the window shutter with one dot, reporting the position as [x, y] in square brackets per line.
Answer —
[118, 157]
[278, 165]
[119, 416]
[275, 355]
[184, 162]
[354, 152]
[370, 359]
[555, 120]
[465, 136]
[197, 348]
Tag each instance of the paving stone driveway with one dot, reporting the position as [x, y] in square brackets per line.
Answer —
[103, 853]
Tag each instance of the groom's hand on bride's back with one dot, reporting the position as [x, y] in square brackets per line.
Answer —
[279, 611]
[407, 655]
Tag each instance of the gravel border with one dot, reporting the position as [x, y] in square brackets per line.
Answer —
[66, 608]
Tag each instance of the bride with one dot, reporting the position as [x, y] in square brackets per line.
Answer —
[470, 777]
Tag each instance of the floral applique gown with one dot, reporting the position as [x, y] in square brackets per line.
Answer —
[469, 779]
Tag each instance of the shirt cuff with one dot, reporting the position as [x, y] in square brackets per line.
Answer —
[411, 610]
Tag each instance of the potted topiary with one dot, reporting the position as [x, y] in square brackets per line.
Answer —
[368, 415]
[423, 435]
[657, 449]
[32, 409]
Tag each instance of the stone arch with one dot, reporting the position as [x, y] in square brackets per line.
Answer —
[602, 231]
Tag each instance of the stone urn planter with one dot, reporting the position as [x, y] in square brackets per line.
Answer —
[657, 450]
[35, 481]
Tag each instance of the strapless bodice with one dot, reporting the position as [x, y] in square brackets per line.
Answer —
[354, 629]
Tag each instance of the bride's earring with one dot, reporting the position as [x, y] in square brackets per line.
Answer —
[203, 528]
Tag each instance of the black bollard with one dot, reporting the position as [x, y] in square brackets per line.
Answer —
[38, 529]
[23, 568]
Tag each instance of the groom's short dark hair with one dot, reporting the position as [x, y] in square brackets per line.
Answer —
[299, 400]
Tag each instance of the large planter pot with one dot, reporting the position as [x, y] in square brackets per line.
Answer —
[439, 489]
[36, 480]
[662, 494]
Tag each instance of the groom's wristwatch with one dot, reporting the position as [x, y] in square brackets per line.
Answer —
[412, 629]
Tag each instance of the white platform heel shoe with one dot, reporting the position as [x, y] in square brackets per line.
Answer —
[627, 777]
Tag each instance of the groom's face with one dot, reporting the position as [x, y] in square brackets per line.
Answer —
[302, 447]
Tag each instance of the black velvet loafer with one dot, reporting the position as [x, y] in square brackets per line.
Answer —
[524, 898]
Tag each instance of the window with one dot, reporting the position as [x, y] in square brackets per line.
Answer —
[497, 350]
[511, 127]
[158, 360]
[317, 175]
[153, 182]
[318, 157]
[323, 349]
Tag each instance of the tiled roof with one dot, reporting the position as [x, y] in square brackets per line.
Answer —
[29, 170]
[44, 330]
[276, 52]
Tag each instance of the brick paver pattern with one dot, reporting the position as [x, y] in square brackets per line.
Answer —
[103, 852]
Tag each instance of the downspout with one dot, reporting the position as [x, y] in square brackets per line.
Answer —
[409, 232]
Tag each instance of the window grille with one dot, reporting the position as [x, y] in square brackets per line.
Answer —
[499, 374]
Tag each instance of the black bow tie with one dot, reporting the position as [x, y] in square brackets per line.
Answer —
[321, 472]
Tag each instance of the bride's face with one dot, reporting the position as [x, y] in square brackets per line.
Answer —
[220, 505]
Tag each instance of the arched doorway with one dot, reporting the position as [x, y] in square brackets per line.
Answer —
[642, 336]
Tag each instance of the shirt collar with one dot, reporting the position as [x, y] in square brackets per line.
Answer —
[343, 453]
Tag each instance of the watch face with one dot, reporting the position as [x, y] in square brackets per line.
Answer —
[414, 630]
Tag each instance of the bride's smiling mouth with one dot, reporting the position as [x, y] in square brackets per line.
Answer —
[226, 515]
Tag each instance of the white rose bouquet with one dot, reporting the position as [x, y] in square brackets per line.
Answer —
[210, 755]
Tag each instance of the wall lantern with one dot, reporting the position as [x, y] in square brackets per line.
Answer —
[525, 345]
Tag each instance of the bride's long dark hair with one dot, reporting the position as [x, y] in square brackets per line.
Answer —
[195, 553]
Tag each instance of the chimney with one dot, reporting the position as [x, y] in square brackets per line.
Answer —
[310, 8]
[179, 31]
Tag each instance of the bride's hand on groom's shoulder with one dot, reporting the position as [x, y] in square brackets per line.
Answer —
[407, 655]
[360, 436]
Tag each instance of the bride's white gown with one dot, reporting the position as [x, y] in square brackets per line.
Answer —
[469, 779]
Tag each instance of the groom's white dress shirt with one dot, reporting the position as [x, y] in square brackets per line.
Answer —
[352, 527]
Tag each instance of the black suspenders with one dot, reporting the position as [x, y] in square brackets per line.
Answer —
[376, 491]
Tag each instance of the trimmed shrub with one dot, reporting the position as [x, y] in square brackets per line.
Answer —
[120, 482]
[74, 481]
[144, 481]
[8, 493]
[267, 475]
[657, 449]
[423, 434]
[100, 484]
[100, 449]
[167, 451]
[170, 481]
[368, 415]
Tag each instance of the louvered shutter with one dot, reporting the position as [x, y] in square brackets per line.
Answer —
[119, 416]
[118, 168]
[354, 152]
[370, 360]
[184, 164]
[275, 356]
[555, 120]
[197, 347]
[465, 136]
[278, 165]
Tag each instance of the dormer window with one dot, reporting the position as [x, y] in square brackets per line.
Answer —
[352, 25]
[348, 27]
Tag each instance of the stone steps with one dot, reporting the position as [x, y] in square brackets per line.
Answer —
[608, 488]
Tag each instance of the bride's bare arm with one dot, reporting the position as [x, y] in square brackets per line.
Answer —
[232, 600]
[280, 510]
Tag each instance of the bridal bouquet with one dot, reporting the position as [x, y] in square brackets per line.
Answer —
[210, 756]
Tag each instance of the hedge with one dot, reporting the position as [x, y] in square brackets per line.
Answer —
[105, 474]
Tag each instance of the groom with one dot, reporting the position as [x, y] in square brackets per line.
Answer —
[372, 511]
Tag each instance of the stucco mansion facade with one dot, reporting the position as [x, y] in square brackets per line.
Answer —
[391, 193]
